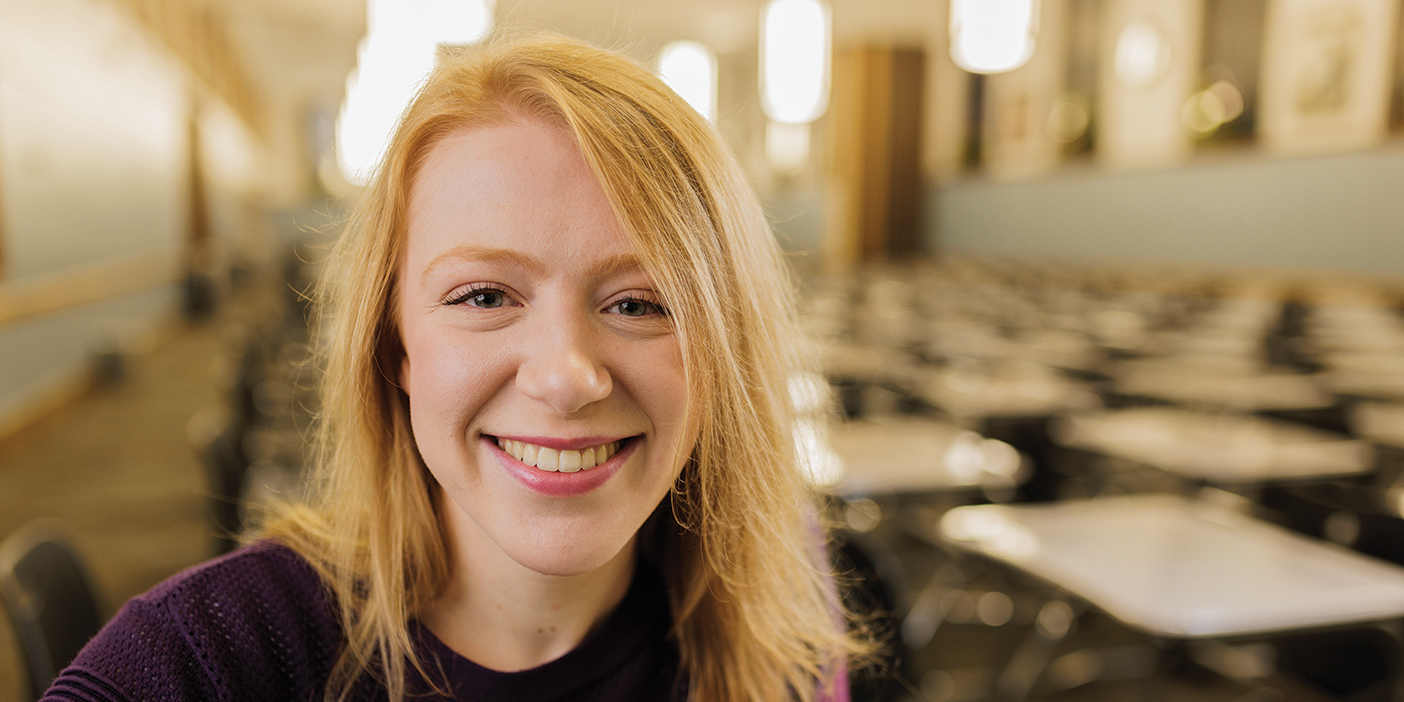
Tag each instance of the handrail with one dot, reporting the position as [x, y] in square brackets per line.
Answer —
[83, 285]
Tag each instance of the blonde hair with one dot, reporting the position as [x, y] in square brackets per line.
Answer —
[755, 615]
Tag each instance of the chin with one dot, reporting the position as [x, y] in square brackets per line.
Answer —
[567, 558]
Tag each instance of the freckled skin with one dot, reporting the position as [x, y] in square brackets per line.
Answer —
[522, 316]
[533, 366]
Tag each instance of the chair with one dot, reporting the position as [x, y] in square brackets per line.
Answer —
[48, 596]
[1183, 570]
[873, 590]
[227, 467]
[219, 440]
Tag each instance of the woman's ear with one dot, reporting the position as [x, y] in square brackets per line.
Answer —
[404, 379]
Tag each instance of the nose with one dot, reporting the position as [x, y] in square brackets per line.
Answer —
[562, 368]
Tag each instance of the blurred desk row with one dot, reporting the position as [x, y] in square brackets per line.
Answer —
[1191, 565]
[1215, 474]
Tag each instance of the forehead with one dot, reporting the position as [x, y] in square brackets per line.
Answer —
[522, 184]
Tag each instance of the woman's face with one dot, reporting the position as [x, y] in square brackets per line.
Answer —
[533, 340]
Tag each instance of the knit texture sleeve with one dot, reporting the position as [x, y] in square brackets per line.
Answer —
[140, 655]
[253, 625]
[840, 691]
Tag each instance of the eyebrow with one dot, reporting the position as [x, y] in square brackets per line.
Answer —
[481, 253]
[610, 266]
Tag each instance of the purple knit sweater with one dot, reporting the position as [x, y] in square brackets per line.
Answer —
[257, 625]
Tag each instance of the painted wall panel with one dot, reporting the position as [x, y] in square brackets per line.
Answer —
[1018, 142]
[1149, 63]
[40, 354]
[92, 137]
[1331, 212]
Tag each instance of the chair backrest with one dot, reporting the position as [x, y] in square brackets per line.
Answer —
[1349, 514]
[48, 596]
[874, 590]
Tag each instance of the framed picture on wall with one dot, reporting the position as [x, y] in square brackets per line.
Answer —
[1326, 74]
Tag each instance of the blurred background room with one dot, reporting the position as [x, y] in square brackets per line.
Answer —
[1107, 298]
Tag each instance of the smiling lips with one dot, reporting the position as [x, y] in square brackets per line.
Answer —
[564, 461]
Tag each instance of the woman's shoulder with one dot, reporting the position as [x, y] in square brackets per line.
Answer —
[253, 624]
[265, 578]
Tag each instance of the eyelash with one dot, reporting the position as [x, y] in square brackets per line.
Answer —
[475, 290]
[657, 307]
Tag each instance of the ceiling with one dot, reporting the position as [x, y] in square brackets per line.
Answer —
[301, 50]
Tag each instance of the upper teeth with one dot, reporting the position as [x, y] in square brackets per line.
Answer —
[565, 461]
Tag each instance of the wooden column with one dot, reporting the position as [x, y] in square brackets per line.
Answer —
[876, 195]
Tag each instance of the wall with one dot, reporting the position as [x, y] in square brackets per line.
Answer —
[1343, 212]
[95, 175]
[92, 138]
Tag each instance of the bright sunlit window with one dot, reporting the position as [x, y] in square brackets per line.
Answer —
[690, 69]
[795, 60]
[993, 36]
[393, 58]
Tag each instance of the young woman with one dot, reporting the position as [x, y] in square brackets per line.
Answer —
[557, 451]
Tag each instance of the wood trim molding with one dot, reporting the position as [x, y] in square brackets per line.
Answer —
[64, 391]
[83, 285]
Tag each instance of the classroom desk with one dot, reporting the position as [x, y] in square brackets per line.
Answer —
[1187, 384]
[1381, 422]
[1180, 568]
[896, 454]
[878, 365]
[1221, 449]
[1050, 347]
[1018, 390]
[1379, 385]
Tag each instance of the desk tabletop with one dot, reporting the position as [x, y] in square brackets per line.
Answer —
[888, 455]
[1381, 422]
[1021, 390]
[1181, 568]
[867, 363]
[1219, 448]
[1187, 384]
[1381, 385]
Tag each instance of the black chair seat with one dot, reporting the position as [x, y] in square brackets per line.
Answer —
[48, 596]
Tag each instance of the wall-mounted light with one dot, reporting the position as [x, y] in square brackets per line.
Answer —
[1142, 54]
[396, 54]
[993, 36]
[1217, 105]
[794, 46]
[690, 69]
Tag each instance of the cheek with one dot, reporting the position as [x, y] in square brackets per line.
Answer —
[659, 383]
[448, 380]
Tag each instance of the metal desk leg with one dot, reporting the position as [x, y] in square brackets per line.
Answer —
[1056, 620]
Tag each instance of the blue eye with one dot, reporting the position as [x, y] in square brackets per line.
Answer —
[482, 298]
[637, 308]
[488, 298]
